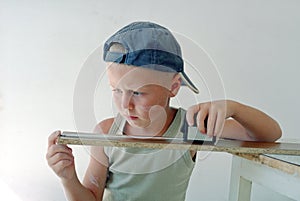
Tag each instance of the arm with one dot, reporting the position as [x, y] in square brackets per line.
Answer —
[93, 185]
[258, 126]
[230, 119]
[61, 160]
[96, 174]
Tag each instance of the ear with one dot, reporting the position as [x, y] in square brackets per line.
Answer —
[175, 86]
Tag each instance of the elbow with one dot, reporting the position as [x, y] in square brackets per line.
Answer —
[271, 134]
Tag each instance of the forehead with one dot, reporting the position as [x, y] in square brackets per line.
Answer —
[121, 75]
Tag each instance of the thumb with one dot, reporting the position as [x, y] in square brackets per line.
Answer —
[53, 138]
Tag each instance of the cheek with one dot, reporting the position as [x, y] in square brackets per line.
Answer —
[161, 100]
[148, 103]
[142, 104]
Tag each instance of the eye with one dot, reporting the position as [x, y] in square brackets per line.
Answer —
[118, 91]
[136, 93]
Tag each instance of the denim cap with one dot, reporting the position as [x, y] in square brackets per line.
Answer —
[148, 45]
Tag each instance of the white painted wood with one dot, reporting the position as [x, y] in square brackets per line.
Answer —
[276, 180]
[244, 189]
[235, 178]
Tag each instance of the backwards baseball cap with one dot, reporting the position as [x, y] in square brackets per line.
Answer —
[148, 45]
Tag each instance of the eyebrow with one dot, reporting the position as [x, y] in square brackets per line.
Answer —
[144, 87]
[111, 84]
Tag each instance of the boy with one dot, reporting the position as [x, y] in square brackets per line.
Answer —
[145, 70]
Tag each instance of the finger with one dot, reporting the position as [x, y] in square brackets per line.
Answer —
[211, 123]
[53, 138]
[219, 124]
[201, 116]
[60, 166]
[191, 113]
[54, 149]
[57, 152]
[52, 161]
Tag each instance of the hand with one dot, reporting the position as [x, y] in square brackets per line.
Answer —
[60, 158]
[216, 111]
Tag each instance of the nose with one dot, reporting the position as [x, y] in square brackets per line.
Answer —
[127, 102]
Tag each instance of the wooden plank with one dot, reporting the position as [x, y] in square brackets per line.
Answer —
[230, 146]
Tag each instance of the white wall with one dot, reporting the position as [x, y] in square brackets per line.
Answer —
[43, 45]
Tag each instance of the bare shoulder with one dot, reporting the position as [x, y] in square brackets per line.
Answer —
[104, 126]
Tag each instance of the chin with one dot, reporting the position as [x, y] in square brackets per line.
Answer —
[136, 124]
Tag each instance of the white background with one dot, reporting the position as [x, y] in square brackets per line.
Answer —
[43, 45]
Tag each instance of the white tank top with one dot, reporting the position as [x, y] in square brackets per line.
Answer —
[148, 174]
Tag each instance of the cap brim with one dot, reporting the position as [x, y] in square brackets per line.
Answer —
[187, 82]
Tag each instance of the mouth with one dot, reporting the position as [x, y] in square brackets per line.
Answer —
[131, 117]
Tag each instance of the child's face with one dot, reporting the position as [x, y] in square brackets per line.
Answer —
[140, 94]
